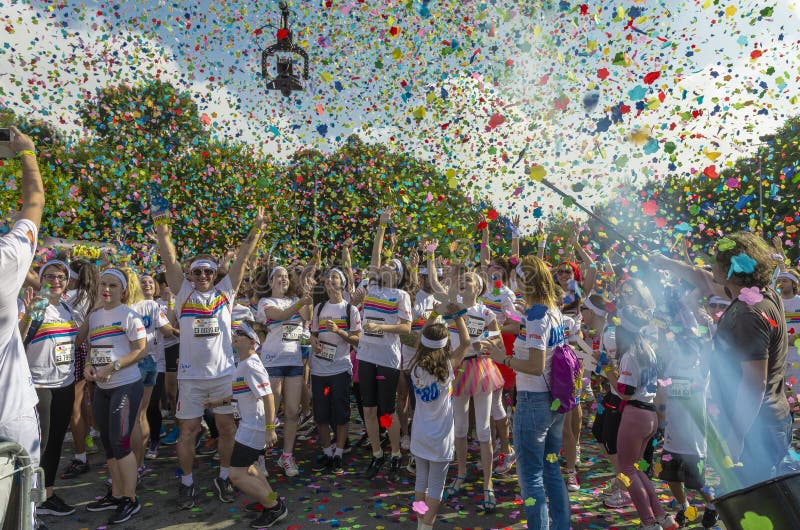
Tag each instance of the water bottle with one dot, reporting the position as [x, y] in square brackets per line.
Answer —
[39, 306]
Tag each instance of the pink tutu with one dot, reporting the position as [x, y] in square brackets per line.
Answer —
[477, 375]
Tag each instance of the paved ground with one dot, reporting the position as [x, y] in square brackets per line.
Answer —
[317, 502]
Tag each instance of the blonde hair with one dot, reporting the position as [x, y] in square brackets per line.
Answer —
[536, 284]
[133, 293]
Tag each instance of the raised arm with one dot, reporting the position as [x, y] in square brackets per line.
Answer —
[377, 244]
[433, 277]
[486, 252]
[542, 243]
[590, 270]
[347, 265]
[159, 211]
[248, 246]
[32, 187]
[515, 236]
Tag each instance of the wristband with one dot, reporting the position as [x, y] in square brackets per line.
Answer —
[26, 152]
[270, 426]
[382, 225]
[455, 315]
[433, 314]
[161, 221]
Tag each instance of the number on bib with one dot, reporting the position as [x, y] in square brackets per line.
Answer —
[205, 327]
[328, 352]
[373, 320]
[292, 332]
[64, 352]
[236, 415]
[680, 388]
[475, 326]
[101, 355]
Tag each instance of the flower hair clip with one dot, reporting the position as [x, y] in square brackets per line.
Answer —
[742, 264]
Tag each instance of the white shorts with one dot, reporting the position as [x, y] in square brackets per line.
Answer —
[192, 393]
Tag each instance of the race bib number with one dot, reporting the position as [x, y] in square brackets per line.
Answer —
[236, 414]
[475, 326]
[373, 320]
[328, 352]
[205, 327]
[65, 353]
[101, 355]
[680, 388]
[292, 332]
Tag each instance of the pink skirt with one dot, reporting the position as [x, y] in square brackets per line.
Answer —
[477, 375]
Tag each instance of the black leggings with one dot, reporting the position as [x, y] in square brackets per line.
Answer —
[115, 414]
[154, 409]
[55, 411]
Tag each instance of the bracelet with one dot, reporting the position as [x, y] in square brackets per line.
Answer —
[26, 152]
[27, 320]
[455, 315]
[382, 225]
[507, 362]
[433, 314]
[270, 426]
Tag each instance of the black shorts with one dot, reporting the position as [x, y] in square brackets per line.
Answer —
[683, 468]
[606, 425]
[330, 396]
[378, 386]
[171, 357]
[244, 455]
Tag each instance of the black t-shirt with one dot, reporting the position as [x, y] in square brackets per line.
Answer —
[750, 333]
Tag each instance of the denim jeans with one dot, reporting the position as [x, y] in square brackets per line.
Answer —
[537, 442]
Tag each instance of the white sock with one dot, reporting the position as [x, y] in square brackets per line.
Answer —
[224, 472]
[328, 451]
[81, 457]
[338, 451]
[186, 480]
[685, 504]
[378, 454]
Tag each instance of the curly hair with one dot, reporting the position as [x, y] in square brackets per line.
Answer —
[435, 362]
[756, 248]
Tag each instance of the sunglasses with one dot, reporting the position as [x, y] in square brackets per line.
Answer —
[564, 271]
[204, 272]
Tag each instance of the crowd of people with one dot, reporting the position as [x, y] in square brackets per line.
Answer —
[503, 350]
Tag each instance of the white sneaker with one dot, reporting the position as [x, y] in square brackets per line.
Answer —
[654, 526]
[412, 466]
[505, 462]
[405, 442]
[289, 466]
[572, 481]
[619, 499]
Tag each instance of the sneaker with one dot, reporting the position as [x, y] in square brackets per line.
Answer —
[270, 516]
[505, 463]
[681, 518]
[667, 522]
[209, 447]
[127, 508]
[163, 432]
[38, 524]
[109, 502]
[619, 499]
[374, 466]
[322, 463]
[611, 488]
[405, 442]
[140, 473]
[75, 468]
[394, 469]
[412, 466]
[348, 448]
[55, 506]
[363, 441]
[186, 496]
[572, 481]
[254, 507]
[289, 466]
[304, 421]
[336, 466]
[654, 526]
[171, 438]
[152, 450]
[710, 518]
[224, 489]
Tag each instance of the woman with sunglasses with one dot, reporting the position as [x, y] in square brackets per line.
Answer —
[50, 348]
[282, 314]
[118, 341]
[203, 306]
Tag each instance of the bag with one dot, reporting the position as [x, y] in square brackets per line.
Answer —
[566, 375]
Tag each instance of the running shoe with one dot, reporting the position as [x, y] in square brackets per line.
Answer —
[505, 462]
[208, 447]
[375, 465]
[224, 489]
[289, 466]
[323, 463]
[336, 466]
[412, 466]
[572, 481]
[270, 516]
[405, 442]
[55, 505]
[619, 499]
[304, 421]
[394, 469]
[108, 502]
[710, 518]
[152, 450]
[667, 522]
[611, 487]
[171, 438]
[75, 468]
[127, 508]
[186, 495]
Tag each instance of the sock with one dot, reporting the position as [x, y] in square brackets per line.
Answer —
[377, 454]
[398, 454]
[328, 451]
[338, 452]
[81, 457]
[685, 504]
[186, 480]
[570, 470]
[224, 472]
[287, 456]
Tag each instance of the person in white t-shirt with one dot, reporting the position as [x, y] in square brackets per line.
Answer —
[18, 420]
[253, 405]
[117, 341]
[332, 369]
[387, 315]
[283, 315]
[203, 307]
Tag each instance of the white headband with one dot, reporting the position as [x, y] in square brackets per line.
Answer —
[519, 271]
[719, 300]
[433, 344]
[118, 275]
[424, 271]
[203, 263]
[70, 272]
[341, 275]
[398, 265]
[250, 332]
[276, 269]
[788, 276]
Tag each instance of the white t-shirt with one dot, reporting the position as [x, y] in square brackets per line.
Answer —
[478, 319]
[153, 317]
[205, 324]
[500, 303]
[423, 305]
[791, 308]
[172, 340]
[433, 435]
[79, 311]
[686, 388]
[281, 346]
[110, 335]
[51, 351]
[335, 356]
[250, 384]
[544, 333]
[643, 378]
[16, 254]
[383, 305]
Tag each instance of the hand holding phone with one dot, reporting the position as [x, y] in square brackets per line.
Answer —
[6, 137]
